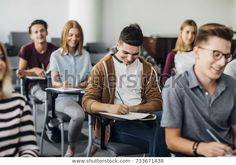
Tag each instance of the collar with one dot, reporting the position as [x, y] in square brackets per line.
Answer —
[193, 82]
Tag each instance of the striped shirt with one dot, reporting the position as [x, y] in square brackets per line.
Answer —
[17, 134]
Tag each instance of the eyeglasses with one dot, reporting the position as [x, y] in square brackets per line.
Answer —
[217, 55]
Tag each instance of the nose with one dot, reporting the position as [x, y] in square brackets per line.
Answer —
[129, 57]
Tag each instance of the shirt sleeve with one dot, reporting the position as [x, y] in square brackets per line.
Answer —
[172, 106]
[53, 62]
[27, 144]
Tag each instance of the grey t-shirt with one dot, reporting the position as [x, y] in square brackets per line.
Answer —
[186, 105]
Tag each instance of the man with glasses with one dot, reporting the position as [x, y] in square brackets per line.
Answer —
[199, 106]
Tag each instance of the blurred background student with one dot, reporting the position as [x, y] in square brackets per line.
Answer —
[17, 134]
[181, 58]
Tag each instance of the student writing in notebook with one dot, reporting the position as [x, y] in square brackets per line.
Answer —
[122, 72]
[203, 98]
[70, 66]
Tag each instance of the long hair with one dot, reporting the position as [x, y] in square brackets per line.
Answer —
[179, 46]
[6, 83]
[71, 24]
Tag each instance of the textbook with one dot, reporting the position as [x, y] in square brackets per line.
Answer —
[132, 116]
[67, 90]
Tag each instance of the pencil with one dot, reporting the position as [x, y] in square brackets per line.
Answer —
[120, 97]
[217, 140]
[213, 136]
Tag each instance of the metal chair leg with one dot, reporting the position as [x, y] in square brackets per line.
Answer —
[90, 140]
[44, 126]
[62, 139]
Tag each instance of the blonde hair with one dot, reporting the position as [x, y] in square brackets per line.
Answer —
[179, 46]
[6, 84]
[71, 24]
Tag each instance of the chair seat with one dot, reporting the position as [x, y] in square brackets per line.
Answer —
[120, 149]
[124, 149]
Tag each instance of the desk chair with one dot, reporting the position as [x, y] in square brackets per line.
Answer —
[58, 118]
[117, 149]
[24, 83]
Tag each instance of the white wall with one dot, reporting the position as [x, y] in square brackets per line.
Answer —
[162, 16]
[88, 14]
[103, 19]
[234, 15]
[17, 15]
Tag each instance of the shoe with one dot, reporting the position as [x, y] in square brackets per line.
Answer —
[69, 153]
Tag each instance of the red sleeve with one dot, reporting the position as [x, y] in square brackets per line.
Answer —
[169, 64]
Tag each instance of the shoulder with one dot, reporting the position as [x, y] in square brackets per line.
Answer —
[230, 81]
[57, 52]
[171, 54]
[52, 46]
[27, 47]
[14, 100]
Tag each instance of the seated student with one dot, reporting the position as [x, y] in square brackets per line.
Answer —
[35, 56]
[181, 58]
[203, 98]
[124, 73]
[17, 134]
[70, 66]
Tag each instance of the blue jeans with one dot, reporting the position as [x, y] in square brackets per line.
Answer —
[147, 135]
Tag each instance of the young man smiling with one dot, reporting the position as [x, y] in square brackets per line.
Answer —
[199, 111]
[122, 82]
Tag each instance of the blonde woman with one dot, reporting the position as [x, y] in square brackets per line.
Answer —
[17, 134]
[70, 66]
[181, 58]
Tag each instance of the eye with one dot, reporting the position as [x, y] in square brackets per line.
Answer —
[217, 54]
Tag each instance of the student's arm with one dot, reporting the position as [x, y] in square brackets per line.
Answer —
[27, 139]
[23, 71]
[179, 144]
[169, 65]
[109, 108]
[55, 79]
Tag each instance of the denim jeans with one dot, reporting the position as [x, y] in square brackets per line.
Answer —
[147, 135]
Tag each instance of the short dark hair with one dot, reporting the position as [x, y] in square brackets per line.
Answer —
[38, 21]
[213, 30]
[132, 35]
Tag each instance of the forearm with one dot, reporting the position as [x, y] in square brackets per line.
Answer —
[100, 107]
[147, 107]
[181, 145]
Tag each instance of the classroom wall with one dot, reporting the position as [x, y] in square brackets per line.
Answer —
[162, 17]
[103, 20]
[16, 15]
[89, 14]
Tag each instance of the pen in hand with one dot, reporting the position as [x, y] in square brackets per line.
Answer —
[217, 140]
[121, 99]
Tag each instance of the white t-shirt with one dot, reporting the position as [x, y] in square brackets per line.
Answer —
[128, 82]
[183, 61]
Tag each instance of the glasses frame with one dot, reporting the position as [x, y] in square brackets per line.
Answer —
[228, 56]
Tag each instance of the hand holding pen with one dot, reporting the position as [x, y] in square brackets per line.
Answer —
[227, 150]
[120, 108]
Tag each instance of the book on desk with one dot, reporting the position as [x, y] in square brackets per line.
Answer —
[66, 90]
[132, 116]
